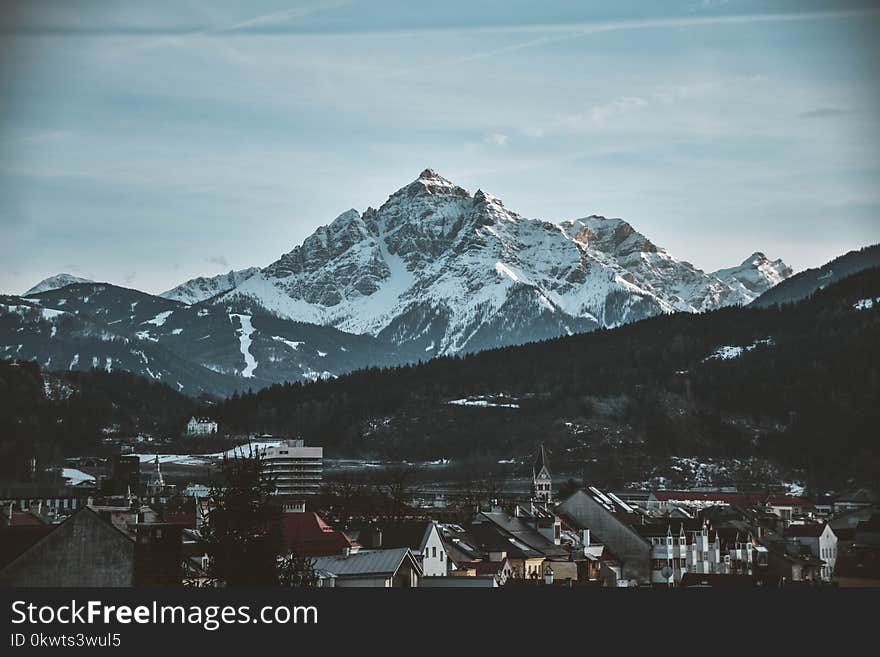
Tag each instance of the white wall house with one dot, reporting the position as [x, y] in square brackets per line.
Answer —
[201, 426]
[434, 562]
[821, 540]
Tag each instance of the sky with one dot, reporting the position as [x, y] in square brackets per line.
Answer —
[143, 144]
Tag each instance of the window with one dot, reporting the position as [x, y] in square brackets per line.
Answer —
[434, 552]
[441, 555]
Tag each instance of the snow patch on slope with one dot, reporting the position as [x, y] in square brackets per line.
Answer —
[244, 336]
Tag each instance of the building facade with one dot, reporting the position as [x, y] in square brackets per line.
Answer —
[295, 469]
[201, 426]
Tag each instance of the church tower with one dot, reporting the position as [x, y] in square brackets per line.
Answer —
[542, 481]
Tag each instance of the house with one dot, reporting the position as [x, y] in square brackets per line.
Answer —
[422, 537]
[501, 570]
[821, 540]
[611, 522]
[88, 551]
[789, 561]
[499, 533]
[395, 568]
[201, 426]
[307, 535]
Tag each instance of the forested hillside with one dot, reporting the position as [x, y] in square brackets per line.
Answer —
[797, 385]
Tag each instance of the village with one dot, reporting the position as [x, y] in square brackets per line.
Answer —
[132, 529]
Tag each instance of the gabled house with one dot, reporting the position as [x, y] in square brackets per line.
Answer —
[822, 542]
[395, 568]
[201, 426]
[307, 535]
[501, 534]
[422, 537]
[789, 561]
[87, 550]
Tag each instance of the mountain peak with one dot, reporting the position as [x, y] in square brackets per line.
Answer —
[755, 275]
[430, 174]
[56, 282]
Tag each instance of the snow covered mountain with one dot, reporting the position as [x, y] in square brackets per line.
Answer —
[435, 270]
[203, 287]
[55, 282]
[755, 275]
[195, 349]
[439, 270]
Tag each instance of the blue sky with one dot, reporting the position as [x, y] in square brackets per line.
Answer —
[147, 143]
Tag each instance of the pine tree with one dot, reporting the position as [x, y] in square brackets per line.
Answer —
[241, 530]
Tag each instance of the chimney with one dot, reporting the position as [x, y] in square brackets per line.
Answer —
[586, 537]
[376, 538]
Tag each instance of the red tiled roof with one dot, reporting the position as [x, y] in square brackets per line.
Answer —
[309, 536]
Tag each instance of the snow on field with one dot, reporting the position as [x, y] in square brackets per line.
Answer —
[289, 343]
[726, 353]
[159, 319]
[492, 401]
[204, 459]
[72, 476]
[866, 304]
[244, 336]
[314, 375]
[46, 313]
[177, 331]
[729, 352]
[145, 335]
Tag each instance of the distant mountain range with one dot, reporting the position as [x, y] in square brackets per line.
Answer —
[435, 270]
[809, 281]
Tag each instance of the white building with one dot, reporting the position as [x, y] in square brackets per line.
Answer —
[821, 540]
[294, 468]
[201, 426]
[422, 537]
[696, 551]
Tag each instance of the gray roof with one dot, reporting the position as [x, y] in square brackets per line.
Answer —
[523, 532]
[364, 562]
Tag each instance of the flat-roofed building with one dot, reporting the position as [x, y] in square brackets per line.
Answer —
[295, 469]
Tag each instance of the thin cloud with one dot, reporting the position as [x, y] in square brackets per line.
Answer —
[572, 31]
[824, 112]
[498, 139]
[219, 260]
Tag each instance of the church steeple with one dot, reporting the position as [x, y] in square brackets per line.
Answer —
[542, 480]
